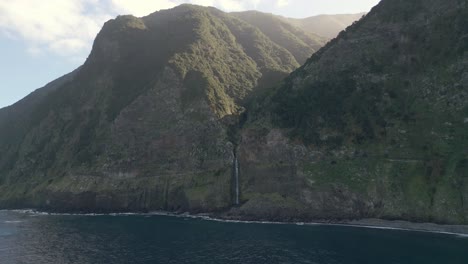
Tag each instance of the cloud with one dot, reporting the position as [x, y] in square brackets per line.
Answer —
[282, 3]
[34, 51]
[68, 46]
[59, 26]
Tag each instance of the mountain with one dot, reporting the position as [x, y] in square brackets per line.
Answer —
[299, 42]
[145, 123]
[187, 110]
[327, 26]
[374, 125]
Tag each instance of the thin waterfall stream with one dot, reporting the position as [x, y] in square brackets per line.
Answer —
[236, 178]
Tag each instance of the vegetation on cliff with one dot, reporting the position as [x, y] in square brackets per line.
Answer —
[379, 116]
[374, 124]
[143, 123]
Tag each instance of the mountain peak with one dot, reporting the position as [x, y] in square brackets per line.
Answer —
[176, 73]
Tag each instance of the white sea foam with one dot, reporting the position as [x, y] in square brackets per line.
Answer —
[13, 222]
[396, 228]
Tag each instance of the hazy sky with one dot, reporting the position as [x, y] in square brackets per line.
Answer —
[41, 40]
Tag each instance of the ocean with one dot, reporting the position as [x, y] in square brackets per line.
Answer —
[28, 237]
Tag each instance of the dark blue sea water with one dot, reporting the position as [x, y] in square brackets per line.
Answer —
[35, 238]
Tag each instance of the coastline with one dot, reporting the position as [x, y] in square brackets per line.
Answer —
[369, 223]
[459, 230]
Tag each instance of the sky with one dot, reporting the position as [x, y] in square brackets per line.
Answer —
[41, 40]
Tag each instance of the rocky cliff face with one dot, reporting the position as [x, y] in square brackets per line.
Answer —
[144, 123]
[373, 125]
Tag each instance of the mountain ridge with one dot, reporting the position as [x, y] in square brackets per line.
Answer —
[327, 26]
[151, 95]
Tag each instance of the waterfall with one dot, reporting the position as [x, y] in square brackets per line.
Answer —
[236, 178]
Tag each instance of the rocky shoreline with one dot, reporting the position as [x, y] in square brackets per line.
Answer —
[410, 226]
[372, 223]
[459, 230]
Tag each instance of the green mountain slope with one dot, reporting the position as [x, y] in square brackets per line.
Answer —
[143, 124]
[375, 124]
[298, 42]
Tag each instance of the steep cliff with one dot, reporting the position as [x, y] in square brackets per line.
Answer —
[144, 123]
[375, 124]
